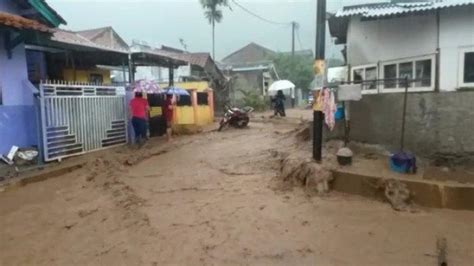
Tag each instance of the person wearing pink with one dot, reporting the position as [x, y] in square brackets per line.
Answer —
[138, 110]
[168, 114]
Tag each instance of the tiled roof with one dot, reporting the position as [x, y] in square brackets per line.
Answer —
[389, 9]
[249, 53]
[73, 38]
[18, 22]
[203, 60]
[106, 36]
[198, 59]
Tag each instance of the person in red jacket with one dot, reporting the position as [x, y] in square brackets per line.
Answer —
[168, 114]
[138, 110]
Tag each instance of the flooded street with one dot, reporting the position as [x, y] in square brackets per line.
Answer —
[213, 199]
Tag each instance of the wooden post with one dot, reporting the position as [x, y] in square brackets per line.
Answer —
[210, 101]
[194, 103]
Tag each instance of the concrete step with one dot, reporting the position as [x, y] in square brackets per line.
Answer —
[425, 193]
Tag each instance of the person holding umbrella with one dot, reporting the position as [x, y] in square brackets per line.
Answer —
[138, 111]
[280, 104]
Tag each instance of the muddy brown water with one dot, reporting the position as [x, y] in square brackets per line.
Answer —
[211, 199]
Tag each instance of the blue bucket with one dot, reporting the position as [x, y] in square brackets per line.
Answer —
[339, 115]
[403, 163]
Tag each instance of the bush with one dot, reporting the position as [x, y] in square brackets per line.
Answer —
[254, 100]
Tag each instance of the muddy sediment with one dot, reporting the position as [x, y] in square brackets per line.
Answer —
[209, 200]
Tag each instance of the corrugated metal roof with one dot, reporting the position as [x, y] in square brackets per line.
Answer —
[18, 22]
[390, 9]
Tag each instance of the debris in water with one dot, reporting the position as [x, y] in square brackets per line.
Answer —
[398, 194]
[442, 249]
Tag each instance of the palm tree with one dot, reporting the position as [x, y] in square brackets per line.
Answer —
[213, 15]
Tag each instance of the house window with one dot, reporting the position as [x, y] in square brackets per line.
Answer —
[419, 70]
[467, 68]
[185, 100]
[423, 73]
[364, 74]
[202, 98]
[390, 72]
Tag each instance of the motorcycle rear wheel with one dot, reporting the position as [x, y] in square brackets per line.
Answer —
[243, 122]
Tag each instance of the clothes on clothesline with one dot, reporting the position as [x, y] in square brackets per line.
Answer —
[327, 101]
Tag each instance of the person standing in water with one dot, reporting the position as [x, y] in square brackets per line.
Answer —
[168, 114]
[280, 104]
[138, 110]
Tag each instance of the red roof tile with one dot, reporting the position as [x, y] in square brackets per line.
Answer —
[18, 22]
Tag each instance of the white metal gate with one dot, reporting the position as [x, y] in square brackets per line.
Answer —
[78, 118]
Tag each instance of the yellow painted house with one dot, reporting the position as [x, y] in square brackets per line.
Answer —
[87, 76]
[197, 114]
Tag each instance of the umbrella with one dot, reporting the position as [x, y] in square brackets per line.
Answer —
[176, 91]
[146, 86]
[281, 85]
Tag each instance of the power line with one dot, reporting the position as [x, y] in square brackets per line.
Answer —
[258, 16]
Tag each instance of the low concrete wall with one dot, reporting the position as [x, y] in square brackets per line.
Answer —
[438, 125]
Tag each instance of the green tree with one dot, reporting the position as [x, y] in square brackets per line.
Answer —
[297, 69]
[213, 14]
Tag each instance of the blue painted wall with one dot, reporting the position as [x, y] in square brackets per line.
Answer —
[17, 127]
[17, 112]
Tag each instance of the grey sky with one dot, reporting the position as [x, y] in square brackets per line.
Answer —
[165, 21]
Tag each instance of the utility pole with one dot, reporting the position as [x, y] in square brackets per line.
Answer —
[293, 31]
[320, 76]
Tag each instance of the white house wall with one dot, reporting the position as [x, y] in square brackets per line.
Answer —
[161, 74]
[456, 32]
[370, 42]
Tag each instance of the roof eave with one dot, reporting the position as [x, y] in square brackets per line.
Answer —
[47, 12]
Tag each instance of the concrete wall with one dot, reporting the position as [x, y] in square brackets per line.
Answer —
[369, 42]
[437, 124]
[456, 32]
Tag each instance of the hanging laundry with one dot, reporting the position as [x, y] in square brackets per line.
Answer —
[327, 100]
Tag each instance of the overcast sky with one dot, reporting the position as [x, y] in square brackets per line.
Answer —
[166, 21]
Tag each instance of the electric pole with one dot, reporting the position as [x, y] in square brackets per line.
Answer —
[320, 76]
[293, 31]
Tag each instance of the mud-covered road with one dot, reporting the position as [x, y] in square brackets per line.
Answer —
[213, 199]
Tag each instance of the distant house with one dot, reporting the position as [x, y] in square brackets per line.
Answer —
[251, 53]
[251, 68]
[19, 21]
[200, 66]
[429, 40]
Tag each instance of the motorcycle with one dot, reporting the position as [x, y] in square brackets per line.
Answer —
[236, 117]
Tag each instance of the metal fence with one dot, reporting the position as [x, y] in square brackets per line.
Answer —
[80, 118]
